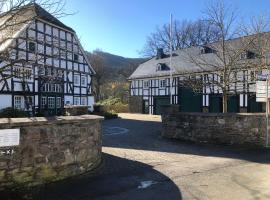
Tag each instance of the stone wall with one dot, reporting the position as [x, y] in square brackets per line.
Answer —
[50, 149]
[135, 104]
[234, 129]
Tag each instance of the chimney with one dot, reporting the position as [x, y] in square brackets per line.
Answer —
[160, 54]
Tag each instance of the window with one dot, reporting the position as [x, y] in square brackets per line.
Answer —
[32, 47]
[252, 76]
[83, 80]
[58, 102]
[250, 55]
[18, 102]
[206, 50]
[41, 71]
[146, 84]
[162, 83]
[76, 79]
[43, 102]
[75, 57]
[48, 71]
[51, 102]
[22, 72]
[28, 101]
[162, 67]
[76, 100]
[60, 73]
[84, 101]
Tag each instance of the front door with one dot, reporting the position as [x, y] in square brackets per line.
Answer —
[52, 104]
[215, 103]
[189, 100]
[254, 106]
[233, 104]
[159, 102]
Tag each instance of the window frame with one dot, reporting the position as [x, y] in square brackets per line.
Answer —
[18, 102]
[76, 79]
[162, 83]
[51, 104]
[76, 101]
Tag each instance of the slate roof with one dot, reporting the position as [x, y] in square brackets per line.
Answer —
[182, 60]
[181, 64]
[12, 24]
[43, 14]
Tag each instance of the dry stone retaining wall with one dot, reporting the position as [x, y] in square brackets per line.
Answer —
[50, 149]
[236, 129]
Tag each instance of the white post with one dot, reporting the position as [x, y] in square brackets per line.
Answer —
[267, 113]
[171, 78]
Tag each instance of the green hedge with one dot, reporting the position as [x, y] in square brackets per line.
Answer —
[10, 112]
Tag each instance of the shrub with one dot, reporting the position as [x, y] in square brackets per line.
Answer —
[111, 105]
[10, 112]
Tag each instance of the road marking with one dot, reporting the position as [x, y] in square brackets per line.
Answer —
[115, 130]
[146, 184]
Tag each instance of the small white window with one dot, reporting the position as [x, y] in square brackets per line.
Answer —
[76, 100]
[84, 101]
[76, 79]
[146, 84]
[162, 83]
[83, 80]
[18, 102]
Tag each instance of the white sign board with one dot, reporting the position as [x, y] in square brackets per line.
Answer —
[261, 91]
[9, 137]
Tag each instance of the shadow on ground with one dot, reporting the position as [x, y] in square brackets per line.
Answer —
[118, 179]
[146, 135]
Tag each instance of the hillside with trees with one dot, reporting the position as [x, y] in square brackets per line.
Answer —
[112, 71]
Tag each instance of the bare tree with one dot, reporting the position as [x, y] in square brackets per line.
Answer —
[97, 62]
[185, 34]
[229, 56]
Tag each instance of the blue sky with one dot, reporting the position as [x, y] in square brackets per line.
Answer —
[121, 26]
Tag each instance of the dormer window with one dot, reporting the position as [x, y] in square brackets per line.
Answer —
[162, 67]
[32, 47]
[206, 50]
[248, 55]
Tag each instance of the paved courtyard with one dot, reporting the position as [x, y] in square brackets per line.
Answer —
[139, 164]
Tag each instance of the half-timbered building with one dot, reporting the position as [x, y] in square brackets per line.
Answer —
[150, 84]
[45, 67]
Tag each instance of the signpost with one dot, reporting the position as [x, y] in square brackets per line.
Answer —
[262, 95]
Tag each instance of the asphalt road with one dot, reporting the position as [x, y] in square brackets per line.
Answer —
[139, 164]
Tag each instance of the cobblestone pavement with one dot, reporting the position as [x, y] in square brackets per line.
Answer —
[139, 164]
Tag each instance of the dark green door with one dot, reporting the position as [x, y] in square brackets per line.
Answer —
[215, 103]
[254, 106]
[189, 100]
[159, 102]
[233, 104]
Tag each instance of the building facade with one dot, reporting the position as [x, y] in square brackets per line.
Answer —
[48, 66]
[151, 87]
